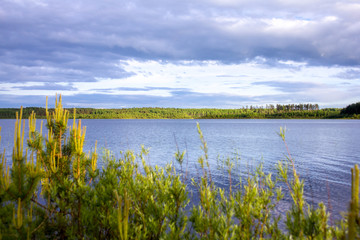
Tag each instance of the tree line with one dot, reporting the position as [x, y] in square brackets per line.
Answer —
[352, 109]
[287, 107]
[269, 111]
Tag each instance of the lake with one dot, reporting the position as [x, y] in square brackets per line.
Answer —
[324, 150]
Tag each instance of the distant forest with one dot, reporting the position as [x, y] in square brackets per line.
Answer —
[352, 109]
[270, 111]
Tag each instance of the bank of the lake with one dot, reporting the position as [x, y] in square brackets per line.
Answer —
[280, 112]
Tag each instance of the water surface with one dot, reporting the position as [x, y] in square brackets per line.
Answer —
[324, 150]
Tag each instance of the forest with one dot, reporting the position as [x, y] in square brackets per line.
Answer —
[270, 111]
[352, 109]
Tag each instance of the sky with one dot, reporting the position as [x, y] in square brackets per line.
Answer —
[179, 53]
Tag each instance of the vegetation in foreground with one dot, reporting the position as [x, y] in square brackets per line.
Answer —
[289, 111]
[55, 190]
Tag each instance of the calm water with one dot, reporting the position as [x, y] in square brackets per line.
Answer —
[324, 150]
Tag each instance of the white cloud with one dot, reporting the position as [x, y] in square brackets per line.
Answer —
[211, 77]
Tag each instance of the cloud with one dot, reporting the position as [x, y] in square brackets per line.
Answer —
[237, 31]
[13, 101]
[141, 89]
[188, 99]
[57, 67]
[289, 86]
[83, 46]
[349, 74]
[48, 86]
